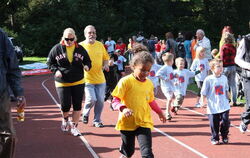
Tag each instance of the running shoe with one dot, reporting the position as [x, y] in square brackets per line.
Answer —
[215, 142]
[98, 124]
[243, 127]
[225, 140]
[74, 131]
[66, 125]
[197, 105]
[85, 119]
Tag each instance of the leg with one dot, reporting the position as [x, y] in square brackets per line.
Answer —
[245, 117]
[145, 142]
[225, 124]
[64, 94]
[90, 98]
[77, 96]
[7, 134]
[214, 120]
[128, 143]
[99, 92]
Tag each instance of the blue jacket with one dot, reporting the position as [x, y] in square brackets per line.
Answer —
[10, 74]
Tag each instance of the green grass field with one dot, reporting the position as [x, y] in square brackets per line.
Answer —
[30, 60]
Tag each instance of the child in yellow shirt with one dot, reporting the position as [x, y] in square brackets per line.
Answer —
[134, 98]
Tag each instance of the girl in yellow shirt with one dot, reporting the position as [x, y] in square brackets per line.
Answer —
[134, 98]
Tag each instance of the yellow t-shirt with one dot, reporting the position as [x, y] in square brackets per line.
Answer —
[97, 54]
[69, 51]
[135, 95]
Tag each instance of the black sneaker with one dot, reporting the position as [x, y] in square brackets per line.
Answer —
[85, 119]
[225, 140]
[243, 127]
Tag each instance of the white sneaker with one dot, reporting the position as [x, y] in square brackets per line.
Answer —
[243, 127]
[66, 125]
[75, 132]
[197, 105]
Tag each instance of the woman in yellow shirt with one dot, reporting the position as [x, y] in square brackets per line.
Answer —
[67, 60]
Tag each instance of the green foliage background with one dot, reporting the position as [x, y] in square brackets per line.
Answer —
[38, 24]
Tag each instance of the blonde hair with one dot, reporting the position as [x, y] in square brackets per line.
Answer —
[167, 57]
[179, 59]
[215, 53]
[228, 37]
[68, 31]
[198, 51]
[214, 62]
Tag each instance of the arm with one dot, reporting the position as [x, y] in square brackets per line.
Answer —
[13, 74]
[86, 61]
[116, 104]
[239, 56]
[158, 110]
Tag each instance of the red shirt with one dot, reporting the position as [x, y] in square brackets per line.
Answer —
[158, 47]
[122, 47]
[227, 54]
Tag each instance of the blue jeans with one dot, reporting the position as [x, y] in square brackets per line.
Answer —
[245, 116]
[230, 73]
[219, 122]
[94, 96]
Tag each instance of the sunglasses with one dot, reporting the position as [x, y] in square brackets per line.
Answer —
[69, 39]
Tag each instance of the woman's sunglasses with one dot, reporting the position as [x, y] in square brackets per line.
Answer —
[69, 39]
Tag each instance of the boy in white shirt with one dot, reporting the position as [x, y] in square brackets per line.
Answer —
[181, 82]
[166, 79]
[152, 76]
[215, 91]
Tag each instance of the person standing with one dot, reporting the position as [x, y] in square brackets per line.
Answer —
[204, 42]
[110, 45]
[95, 82]
[67, 60]
[215, 91]
[10, 76]
[227, 55]
[243, 60]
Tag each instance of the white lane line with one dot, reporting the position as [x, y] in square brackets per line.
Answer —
[232, 125]
[81, 137]
[182, 144]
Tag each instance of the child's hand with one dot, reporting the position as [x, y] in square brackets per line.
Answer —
[127, 112]
[162, 117]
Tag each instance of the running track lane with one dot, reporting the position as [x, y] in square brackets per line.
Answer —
[187, 135]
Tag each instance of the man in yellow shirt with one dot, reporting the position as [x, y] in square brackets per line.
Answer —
[95, 82]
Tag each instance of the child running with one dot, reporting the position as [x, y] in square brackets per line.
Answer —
[180, 83]
[215, 91]
[166, 78]
[120, 64]
[200, 63]
[134, 98]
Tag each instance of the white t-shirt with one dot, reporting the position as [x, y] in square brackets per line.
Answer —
[152, 74]
[215, 89]
[110, 45]
[120, 62]
[200, 63]
[181, 82]
[166, 76]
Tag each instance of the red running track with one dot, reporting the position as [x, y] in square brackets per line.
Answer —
[186, 136]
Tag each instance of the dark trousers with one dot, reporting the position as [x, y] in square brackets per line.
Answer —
[7, 134]
[71, 94]
[219, 122]
[245, 116]
[199, 85]
[144, 139]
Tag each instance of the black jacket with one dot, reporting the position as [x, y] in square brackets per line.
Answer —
[10, 74]
[71, 72]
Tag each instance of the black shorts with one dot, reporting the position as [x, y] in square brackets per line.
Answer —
[144, 139]
[71, 95]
